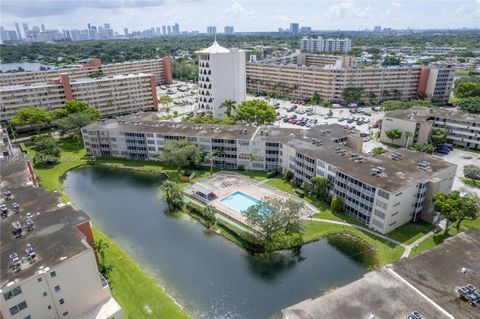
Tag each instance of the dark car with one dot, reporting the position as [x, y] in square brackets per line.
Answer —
[443, 151]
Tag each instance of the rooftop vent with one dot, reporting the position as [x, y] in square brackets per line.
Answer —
[396, 156]
[424, 165]
[376, 171]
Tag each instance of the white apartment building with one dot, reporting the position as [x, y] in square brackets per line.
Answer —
[221, 76]
[160, 68]
[464, 128]
[48, 266]
[383, 192]
[319, 44]
[117, 94]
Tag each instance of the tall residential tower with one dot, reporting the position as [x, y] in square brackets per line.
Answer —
[221, 76]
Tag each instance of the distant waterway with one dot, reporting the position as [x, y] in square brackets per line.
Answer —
[26, 66]
[210, 276]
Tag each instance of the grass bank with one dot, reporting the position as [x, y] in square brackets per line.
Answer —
[138, 293]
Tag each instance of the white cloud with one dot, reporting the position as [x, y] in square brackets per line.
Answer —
[392, 11]
[469, 10]
[349, 9]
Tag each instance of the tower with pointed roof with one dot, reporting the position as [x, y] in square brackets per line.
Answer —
[221, 76]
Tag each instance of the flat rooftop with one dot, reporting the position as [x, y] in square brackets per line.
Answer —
[422, 114]
[397, 174]
[426, 283]
[55, 236]
[145, 122]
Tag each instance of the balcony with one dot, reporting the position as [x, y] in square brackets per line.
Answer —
[103, 280]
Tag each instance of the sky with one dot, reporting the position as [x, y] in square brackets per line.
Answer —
[245, 16]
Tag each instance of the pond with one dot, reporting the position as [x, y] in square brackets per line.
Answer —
[210, 276]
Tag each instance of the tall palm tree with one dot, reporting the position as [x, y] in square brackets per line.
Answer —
[229, 106]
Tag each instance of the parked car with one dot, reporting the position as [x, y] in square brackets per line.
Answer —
[336, 105]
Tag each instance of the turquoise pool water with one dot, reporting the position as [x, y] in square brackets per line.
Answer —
[239, 201]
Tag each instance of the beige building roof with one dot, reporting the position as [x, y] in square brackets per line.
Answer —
[421, 114]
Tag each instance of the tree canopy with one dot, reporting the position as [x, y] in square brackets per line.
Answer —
[352, 94]
[467, 89]
[439, 135]
[47, 151]
[470, 104]
[456, 208]
[75, 106]
[255, 112]
[393, 134]
[274, 215]
[31, 115]
[181, 154]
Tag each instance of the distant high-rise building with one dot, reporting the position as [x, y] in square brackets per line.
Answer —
[125, 31]
[329, 45]
[305, 30]
[211, 29]
[294, 27]
[106, 25]
[176, 29]
[377, 28]
[229, 29]
[19, 34]
[89, 26]
[25, 29]
[312, 44]
[158, 32]
[164, 30]
[340, 45]
[169, 30]
[42, 27]
[221, 76]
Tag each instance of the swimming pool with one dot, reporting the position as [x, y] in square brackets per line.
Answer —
[239, 201]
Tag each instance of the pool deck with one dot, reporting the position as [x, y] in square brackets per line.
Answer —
[227, 183]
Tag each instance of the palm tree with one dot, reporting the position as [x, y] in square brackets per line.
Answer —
[173, 194]
[251, 158]
[407, 134]
[209, 157]
[229, 106]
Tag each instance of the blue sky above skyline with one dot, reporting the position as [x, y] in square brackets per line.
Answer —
[244, 15]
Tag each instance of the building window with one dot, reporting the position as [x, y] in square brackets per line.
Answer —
[45, 294]
[57, 288]
[383, 194]
[17, 308]
[53, 274]
[61, 301]
[49, 306]
[12, 293]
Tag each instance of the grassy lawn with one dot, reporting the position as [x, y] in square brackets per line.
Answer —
[135, 290]
[386, 252]
[471, 182]
[462, 72]
[50, 177]
[410, 232]
[279, 183]
[440, 237]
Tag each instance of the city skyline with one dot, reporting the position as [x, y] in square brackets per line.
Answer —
[246, 16]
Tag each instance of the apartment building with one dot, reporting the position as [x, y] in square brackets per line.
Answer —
[319, 44]
[302, 76]
[110, 95]
[383, 192]
[320, 60]
[5, 144]
[48, 266]
[160, 68]
[221, 76]
[464, 127]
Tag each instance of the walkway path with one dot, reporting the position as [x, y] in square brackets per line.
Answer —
[408, 249]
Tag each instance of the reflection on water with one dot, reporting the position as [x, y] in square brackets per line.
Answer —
[209, 275]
